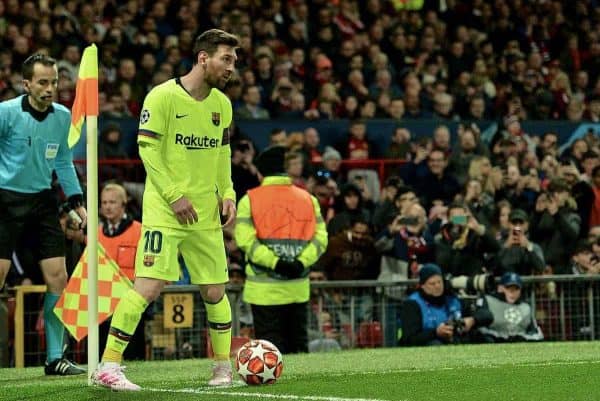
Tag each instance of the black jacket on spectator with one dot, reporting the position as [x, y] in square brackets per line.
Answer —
[520, 260]
[583, 194]
[429, 187]
[524, 199]
[557, 236]
[466, 261]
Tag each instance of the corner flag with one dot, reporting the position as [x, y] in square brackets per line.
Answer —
[72, 306]
[86, 93]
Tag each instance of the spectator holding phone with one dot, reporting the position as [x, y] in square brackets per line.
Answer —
[518, 253]
[463, 243]
[405, 244]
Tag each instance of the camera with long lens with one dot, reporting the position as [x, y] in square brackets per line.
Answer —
[472, 284]
[458, 325]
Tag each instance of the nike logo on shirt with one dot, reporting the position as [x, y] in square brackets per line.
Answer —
[180, 115]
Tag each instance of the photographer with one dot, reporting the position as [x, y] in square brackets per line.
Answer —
[431, 315]
[463, 245]
[555, 225]
[503, 317]
[519, 254]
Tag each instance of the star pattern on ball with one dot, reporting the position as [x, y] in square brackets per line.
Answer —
[259, 362]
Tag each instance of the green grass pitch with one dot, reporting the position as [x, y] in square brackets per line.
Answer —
[528, 372]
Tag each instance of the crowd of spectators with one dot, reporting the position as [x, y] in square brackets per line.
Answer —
[512, 203]
[326, 59]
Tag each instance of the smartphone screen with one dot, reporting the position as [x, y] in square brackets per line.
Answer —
[458, 219]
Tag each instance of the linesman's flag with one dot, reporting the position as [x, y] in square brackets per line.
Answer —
[72, 306]
[86, 93]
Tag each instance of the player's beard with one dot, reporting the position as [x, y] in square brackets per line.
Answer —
[218, 82]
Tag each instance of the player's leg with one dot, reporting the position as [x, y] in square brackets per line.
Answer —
[127, 315]
[51, 240]
[156, 263]
[204, 254]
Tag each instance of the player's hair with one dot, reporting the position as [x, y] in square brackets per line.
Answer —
[210, 40]
[27, 68]
[119, 189]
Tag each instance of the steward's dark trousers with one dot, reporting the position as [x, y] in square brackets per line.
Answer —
[283, 325]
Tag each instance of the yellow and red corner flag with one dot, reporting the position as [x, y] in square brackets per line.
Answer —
[86, 93]
[72, 306]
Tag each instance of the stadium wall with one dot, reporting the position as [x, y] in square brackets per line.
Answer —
[333, 131]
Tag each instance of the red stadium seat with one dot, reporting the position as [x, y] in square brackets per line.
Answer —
[370, 335]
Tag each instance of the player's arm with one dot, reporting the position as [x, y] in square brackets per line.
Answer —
[151, 139]
[65, 170]
[224, 184]
[245, 237]
[318, 244]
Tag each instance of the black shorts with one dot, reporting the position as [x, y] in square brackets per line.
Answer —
[34, 216]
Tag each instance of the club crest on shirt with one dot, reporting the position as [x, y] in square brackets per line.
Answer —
[148, 260]
[145, 116]
[216, 118]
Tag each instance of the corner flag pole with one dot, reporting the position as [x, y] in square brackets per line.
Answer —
[92, 243]
[85, 107]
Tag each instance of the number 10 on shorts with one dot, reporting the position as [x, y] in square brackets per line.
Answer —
[178, 310]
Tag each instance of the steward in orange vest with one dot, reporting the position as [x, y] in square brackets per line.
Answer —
[120, 235]
[121, 245]
[280, 229]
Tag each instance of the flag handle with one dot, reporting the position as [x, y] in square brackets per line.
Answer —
[92, 243]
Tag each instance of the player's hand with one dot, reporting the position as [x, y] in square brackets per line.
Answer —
[230, 211]
[184, 211]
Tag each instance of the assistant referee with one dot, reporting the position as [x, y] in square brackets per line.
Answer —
[33, 143]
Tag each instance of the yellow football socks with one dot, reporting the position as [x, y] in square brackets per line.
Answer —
[219, 327]
[124, 321]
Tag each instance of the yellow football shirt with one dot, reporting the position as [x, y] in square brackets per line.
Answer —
[184, 144]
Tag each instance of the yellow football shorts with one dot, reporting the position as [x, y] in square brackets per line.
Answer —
[202, 250]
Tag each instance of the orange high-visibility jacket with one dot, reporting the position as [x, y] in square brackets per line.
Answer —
[278, 220]
[123, 247]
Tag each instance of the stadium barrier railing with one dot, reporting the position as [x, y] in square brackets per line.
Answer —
[342, 315]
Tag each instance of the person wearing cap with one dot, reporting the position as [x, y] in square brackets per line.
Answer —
[280, 228]
[555, 225]
[431, 315]
[519, 254]
[332, 161]
[503, 316]
[584, 259]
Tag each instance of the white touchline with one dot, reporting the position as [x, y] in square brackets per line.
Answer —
[261, 395]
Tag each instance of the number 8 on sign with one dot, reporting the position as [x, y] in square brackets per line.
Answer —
[178, 310]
